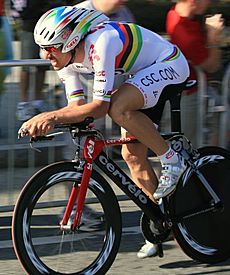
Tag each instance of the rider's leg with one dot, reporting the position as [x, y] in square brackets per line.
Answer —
[124, 111]
[142, 91]
[126, 102]
[135, 155]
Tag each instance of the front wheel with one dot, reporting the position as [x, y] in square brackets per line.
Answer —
[43, 247]
[201, 230]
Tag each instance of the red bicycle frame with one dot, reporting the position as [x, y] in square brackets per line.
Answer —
[92, 148]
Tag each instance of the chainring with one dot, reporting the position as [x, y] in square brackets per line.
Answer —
[154, 234]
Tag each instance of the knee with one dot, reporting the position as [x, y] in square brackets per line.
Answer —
[118, 114]
[115, 111]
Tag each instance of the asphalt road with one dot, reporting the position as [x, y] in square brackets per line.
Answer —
[173, 262]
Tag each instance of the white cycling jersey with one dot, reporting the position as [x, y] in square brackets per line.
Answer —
[125, 48]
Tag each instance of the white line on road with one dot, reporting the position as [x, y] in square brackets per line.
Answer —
[133, 230]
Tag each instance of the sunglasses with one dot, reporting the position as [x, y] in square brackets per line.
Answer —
[51, 48]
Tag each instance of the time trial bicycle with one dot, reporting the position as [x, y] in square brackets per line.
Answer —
[50, 240]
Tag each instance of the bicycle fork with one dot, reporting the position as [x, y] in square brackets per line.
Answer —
[91, 150]
[77, 197]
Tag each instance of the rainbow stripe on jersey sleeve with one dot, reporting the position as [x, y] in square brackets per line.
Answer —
[130, 35]
[77, 94]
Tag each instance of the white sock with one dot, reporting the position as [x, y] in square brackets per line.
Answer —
[169, 157]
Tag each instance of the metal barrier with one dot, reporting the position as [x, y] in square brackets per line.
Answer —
[202, 88]
[209, 105]
[17, 160]
[225, 100]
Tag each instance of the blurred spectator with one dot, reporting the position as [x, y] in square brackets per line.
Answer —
[200, 43]
[29, 11]
[115, 10]
[6, 52]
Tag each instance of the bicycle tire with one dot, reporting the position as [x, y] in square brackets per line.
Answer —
[203, 237]
[36, 231]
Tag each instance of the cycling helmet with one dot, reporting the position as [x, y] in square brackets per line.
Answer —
[66, 26]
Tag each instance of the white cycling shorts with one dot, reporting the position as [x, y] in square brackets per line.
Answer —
[152, 80]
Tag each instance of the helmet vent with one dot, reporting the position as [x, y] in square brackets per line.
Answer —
[46, 34]
[42, 31]
[52, 35]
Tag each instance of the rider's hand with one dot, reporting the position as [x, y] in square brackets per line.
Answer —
[39, 125]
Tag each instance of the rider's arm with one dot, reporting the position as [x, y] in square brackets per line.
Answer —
[76, 110]
[73, 87]
[71, 114]
[76, 98]
[102, 55]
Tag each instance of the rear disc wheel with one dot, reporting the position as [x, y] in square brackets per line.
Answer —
[201, 231]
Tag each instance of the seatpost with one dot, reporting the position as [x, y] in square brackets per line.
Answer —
[175, 113]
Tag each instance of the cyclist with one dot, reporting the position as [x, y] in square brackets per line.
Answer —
[79, 40]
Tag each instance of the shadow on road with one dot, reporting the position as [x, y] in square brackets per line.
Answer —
[191, 263]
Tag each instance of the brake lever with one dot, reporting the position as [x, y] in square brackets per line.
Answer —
[43, 138]
[34, 148]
